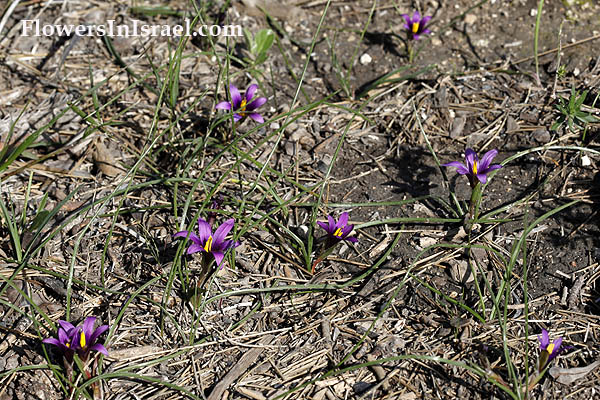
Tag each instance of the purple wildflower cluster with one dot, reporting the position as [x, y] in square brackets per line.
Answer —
[81, 340]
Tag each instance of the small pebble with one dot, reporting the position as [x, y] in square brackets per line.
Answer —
[303, 231]
[365, 59]
[585, 161]
[470, 19]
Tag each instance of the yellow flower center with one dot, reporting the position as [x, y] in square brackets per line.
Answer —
[415, 27]
[208, 245]
[68, 345]
[243, 105]
[82, 342]
[550, 348]
[338, 232]
[475, 167]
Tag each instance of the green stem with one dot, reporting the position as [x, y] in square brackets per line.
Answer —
[475, 201]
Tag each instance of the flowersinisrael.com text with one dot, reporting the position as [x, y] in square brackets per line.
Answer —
[32, 27]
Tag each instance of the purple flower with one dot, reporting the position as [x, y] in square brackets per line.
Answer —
[86, 336]
[416, 25]
[243, 106]
[206, 242]
[551, 349]
[66, 333]
[475, 168]
[338, 230]
[81, 338]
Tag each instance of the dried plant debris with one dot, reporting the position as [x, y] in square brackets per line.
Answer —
[400, 201]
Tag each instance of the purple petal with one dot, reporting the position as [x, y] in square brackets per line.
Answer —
[424, 21]
[351, 239]
[346, 230]
[426, 31]
[218, 257]
[204, 231]
[99, 331]
[256, 103]
[408, 21]
[222, 231]
[74, 336]
[88, 328]
[99, 348]
[470, 158]
[194, 248]
[250, 92]
[257, 117]
[557, 343]
[229, 244]
[192, 236]
[416, 17]
[544, 339]
[416, 36]
[407, 27]
[323, 225]
[53, 341]
[236, 97]
[237, 117]
[343, 220]
[67, 326]
[224, 105]
[332, 225]
[482, 178]
[486, 160]
[63, 337]
[460, 167]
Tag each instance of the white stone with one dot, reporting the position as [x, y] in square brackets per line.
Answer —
[365, 59]
[470, 19]
[585, 161]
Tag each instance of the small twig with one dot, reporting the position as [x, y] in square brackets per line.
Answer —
[246, 360]
[573, 298]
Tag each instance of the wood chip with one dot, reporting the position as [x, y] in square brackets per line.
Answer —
[573, 299]
[567, 376]
[104, 160]
[253, 394]
[238, 369]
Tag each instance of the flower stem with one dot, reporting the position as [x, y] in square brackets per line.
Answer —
[328, 247]
[475, 201]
